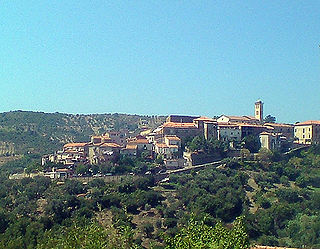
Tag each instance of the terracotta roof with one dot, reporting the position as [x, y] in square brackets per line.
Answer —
[75, 145]
[253, 125]
[140, 141]
[96, 136]
[241, 118]
[161, 145]
[204, 119]
[229, 125]
[172, 137]
[279, 125]
[309, 122]
[131, 146]
[179, 125]
[74, 151]
[113, 145]
[267, 133]
[62, 170]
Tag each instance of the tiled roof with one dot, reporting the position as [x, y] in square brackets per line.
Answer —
[75, 145]
[252, 125]
[228, 124]
[246, 118]
[113, 145]
[131, 146]
[172, 137]
[309, 122]
[140, 141]
[179, 125]
[279, 125]
[161, 145]
[204, 119]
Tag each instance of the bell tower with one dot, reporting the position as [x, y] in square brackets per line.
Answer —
[258, 110]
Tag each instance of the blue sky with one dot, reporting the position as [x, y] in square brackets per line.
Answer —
[161, 57]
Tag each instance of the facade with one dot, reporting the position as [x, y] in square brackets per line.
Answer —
[307, 132]
[229, 132]
[137, 145]
[182, 130]
[210, 130]
[258, 110]
[58, 173]
[181, 119]
[271, 141]
[118, 137]
[237, 119]
[169, 148]
[100, 153]
[287, 130]
[251, 129]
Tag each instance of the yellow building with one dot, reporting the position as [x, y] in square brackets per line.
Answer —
[307, 132]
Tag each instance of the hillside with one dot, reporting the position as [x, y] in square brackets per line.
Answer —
[277, 198]
[37, 132]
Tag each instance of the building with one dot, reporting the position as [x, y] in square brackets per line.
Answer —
[287, 130]
[307, 132]
[137, 145]
[58, 173]
[103, 152]
[251, 129]
[258, 110]
[181, 119]
[237, 119]
[181, 130]
[271, 141]
[229, 132]
[119, 137]
[210, 130]
[169, 147]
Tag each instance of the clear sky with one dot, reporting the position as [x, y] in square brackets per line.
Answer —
[161, 57]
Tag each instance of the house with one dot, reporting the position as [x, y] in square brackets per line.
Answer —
[172, 140]
[307, 132]
[287, 130]
[170, 147]
[174, 163]
[238, 119]
[58, 173]
[168, 151]
[181, 119]
[103, 152]
[251, 129]
[118, 137]
[135, 146]
[271, 141]
[181, 130]
[229, 132]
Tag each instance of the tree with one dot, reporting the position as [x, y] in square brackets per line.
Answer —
[148, 229]
[252, 143]
[269, 119]
[245, 154]
[199, 235]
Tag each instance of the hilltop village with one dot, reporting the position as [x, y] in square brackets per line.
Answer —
[168, 141]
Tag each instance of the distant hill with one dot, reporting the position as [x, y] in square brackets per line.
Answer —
[37, 132]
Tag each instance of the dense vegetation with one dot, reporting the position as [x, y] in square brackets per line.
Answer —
[276, 196]
[45, 132]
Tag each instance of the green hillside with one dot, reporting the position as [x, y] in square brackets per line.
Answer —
[39, 132]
